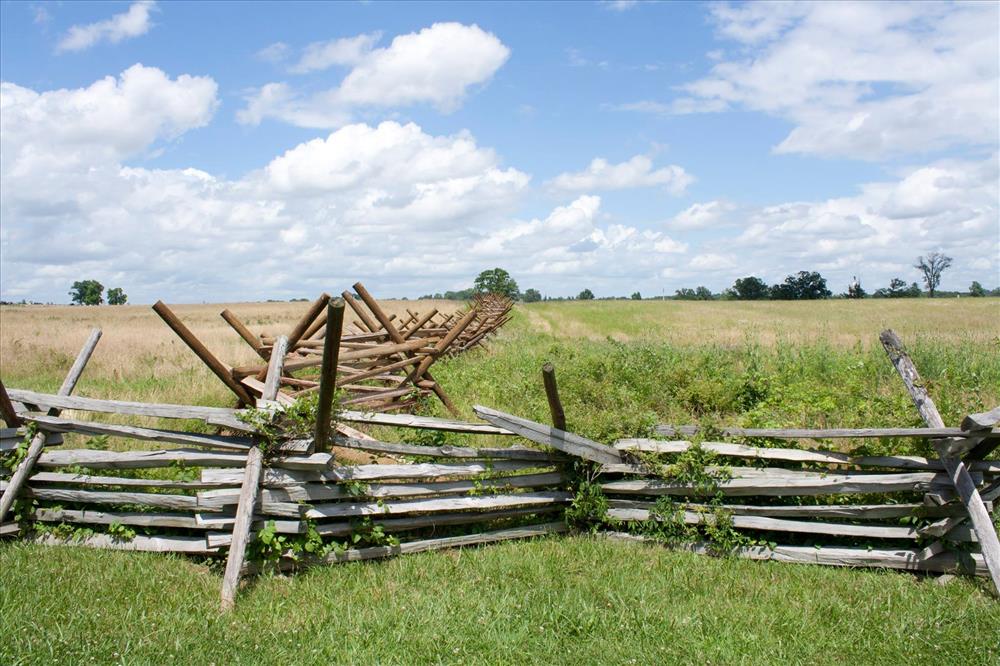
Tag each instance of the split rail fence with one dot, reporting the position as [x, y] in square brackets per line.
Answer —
[218, 494]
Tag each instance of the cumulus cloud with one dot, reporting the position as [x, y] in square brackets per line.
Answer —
[860, 80]
[132, 23]
[636, 172]
[702, 216]
[437, 66]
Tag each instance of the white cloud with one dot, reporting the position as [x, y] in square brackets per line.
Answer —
[132, 23]
[347, 51]
[435, 66]
[619, 5]
[701, 216]
[860, 80]
[636, 172]
[273, 53]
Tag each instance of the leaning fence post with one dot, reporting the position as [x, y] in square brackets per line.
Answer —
[20, 476]
[552, 393]
[10, 417]
[328, 376]
[957, 470]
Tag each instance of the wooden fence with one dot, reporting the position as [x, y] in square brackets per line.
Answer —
[248, 490]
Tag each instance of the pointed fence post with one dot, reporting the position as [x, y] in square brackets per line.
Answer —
[982, 523]
[20, 476]
[328, 376]
[552, 393]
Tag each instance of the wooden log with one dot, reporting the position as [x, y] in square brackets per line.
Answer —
[513, 453]
[37, 445]
[328, 374]
[154, 544]
[957, 471]
[821, 433]
[441, 346]
[781, 486]
[314, 311]
[419, 324]
[7, 409]
[316, 329]
[219, 416]
[241, 529]
[61, 425]
[366, 320]
[795, 455]
[566, 442]
[244, 332]
[552, 395]
[222, 371]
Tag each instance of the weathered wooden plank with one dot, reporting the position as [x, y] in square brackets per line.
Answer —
[274, 368]
[904, 558]
[328, 373]
[162, 500]
[135, 518]
[63, 425]
[796, 455]
[313, 492]
[241, 528]
[982, 420]
[779, 486]
[7, 412]
[167, 457]
[957, 471]
[390, 525]
[421, 422]
[91, 480]
[279, 477]
[37, 444]
[346, 509]
[155, 544]
[220, 416]
[819, 433]
[823, 511]
[513, 453]
[9, 529]
[768, 524]
[566, 442]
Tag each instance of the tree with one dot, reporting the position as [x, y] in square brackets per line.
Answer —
[699, 294]
[87, 292]
[532, 296]
[976, 289]
[585, 295]
[496, 281]
[750, 289]
[116, 296]
[932, 267]
[636, 296]
[804, 285]
[855, 290]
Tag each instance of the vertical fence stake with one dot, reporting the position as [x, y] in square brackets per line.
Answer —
[20, 476]
[552, 393]
[328, 376]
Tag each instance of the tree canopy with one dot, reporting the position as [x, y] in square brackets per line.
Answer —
[932, 267]
[532, 296]
[585, 295]
[87, 292]
[116, 296]
[804, 285]
[750, 289]
[496, 281]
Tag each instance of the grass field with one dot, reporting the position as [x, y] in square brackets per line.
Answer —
[622, 366]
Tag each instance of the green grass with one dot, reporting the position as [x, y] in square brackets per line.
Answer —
[572, 600]
[621, 367]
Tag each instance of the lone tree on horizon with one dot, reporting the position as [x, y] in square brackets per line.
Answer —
[932, 267]
[87, 292]
[496, 281]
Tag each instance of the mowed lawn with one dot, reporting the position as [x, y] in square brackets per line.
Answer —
[622, 367]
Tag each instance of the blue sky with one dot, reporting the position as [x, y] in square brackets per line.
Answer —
[228, 151]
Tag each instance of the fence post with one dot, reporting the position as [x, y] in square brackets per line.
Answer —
[552, 393]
